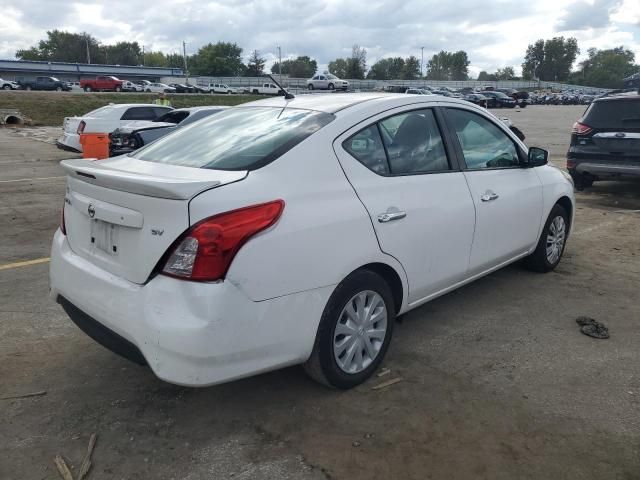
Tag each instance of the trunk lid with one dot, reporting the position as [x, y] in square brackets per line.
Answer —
[123, 214]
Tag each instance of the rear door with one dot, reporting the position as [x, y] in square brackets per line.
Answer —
[416, 196]
[507, 197]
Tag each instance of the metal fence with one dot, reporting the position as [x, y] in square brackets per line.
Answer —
[301, 83]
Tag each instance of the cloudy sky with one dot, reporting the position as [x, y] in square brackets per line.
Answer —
[495, 33]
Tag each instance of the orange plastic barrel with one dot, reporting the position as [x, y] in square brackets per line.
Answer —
[95, 145]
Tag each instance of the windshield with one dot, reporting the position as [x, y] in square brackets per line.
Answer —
[242, 138]
[55, 79]
[100, 112]
[332, 77]
[613, 114]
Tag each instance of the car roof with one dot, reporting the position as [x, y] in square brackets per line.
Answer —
[127, 105]
[618, 96]
[337, 102]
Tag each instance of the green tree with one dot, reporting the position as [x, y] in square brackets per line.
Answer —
[387, 68]
[357, 63]
[411, 69]
[506, 73]
[605, 68]
[338, 67]
[255, 66]
[300, 67]
[122, 53]
[487, 77]
[60, 46]
[220, 59]
[155, 59]
[448, 66]
[550, 60]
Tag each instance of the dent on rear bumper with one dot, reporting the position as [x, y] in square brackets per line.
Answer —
[193, 334]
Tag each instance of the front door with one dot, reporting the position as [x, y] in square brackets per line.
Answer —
[417, 199]
[507, 196]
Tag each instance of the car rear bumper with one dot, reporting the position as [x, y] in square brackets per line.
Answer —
[607, 169]
[189, 333]
[69, 142]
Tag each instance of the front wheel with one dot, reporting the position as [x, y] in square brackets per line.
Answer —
[118, 89]
[552, 241]
[331, 86]
[354, 332]
[28, 88]
[6, 87]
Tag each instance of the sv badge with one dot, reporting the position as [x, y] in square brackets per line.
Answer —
[157, 232]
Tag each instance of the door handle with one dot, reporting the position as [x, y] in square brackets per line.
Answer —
[390, 216]
[489, 196]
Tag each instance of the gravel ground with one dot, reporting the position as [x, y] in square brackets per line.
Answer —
[498, 382]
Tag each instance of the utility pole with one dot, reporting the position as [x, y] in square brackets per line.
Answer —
[86, 41]
[143, 55]
[421, 61]
[280, 64]
[184, 56]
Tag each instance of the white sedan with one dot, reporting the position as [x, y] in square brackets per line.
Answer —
[105, 120]
[159, 88]
[295, 231]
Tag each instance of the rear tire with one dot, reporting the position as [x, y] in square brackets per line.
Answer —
[118, 89]
[553, 239]
[360, 349]
[310, 86]
[87, 89]
[28, 88]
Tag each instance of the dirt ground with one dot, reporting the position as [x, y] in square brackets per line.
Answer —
[498, 382]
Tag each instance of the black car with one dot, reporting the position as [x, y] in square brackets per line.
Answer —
[195, 88]
[45, 83]
[135, 135]
[498, 99]
[605, 142]
[477, 99]
[181, 88]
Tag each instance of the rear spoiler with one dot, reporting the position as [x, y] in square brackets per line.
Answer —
[147, 178]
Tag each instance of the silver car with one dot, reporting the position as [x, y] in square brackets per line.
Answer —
[327, 81]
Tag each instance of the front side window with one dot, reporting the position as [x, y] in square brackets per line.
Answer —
[240, 138]
[484, 144]
[413, 143]
[403, 144]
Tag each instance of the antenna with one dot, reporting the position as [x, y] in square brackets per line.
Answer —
[287, 95]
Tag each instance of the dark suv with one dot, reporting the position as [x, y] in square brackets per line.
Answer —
[605, 142]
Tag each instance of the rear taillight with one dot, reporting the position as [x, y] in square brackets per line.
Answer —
[205, 251]
[63, 227]
[571, 164]
[81, 126]
[581, 129]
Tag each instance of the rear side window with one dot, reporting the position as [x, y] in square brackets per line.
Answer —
[613, 114]
[366, 147]
[241, 138]
[139, 113]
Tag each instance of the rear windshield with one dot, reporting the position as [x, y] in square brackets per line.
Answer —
[241, 138]
[613, 114]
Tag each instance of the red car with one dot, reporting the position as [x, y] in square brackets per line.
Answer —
[102, 84]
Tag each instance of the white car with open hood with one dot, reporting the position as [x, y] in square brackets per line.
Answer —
[105, 120]
[295, 231]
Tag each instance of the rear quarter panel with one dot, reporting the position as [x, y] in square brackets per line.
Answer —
[324, 232]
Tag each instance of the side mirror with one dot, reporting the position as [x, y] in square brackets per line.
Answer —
[537, 157]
